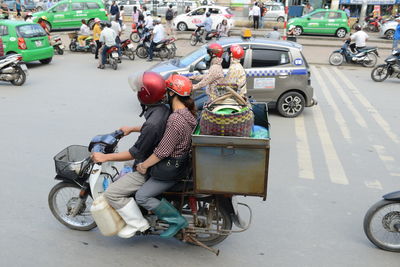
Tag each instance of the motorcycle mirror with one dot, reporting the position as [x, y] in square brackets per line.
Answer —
[201, 66]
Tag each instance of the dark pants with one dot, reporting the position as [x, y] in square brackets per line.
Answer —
[104, 54]
[201, 100]
[256, 21]
[98, 45]
[146, 195]
[354, 48]
[118, 44]
[151, 49]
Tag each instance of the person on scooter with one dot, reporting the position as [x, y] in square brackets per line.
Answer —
[84, 33]
[214, 76]
[359, 38]
[174, 149]
[107, 38]
[236, 73]
[148, 22]
[207, 24]
[117, 29]
[151, 89]
[157, 36]
[42, 22]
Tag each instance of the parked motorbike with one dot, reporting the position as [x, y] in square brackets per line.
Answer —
[163, 50]
[382, 222]
[210, 216]
[56, 42]
[136, 33]
[127, 49]
[372, 24]
[112, 57]
[12, 69]
[367, 56]
[389, 70]
[90, 44]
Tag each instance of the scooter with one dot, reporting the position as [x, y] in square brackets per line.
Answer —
[161, 50]
[13, 70]
[389, 70]
[56, 42]
[197, 35]
[367, 56]
[112, 57]
[382, 222]
[210, 216]
[127, 49]
[90, 44]
[136, 33]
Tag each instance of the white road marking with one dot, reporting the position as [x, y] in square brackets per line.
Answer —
[335, 168]
[388, 161]
[337, 114]
[375, 184]
[304, 161]
[374, 113]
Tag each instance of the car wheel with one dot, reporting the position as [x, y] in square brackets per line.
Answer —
[46, 61]
[389, 34]
[291, 104]
[341, 33]
[280, 19]
[298, 30]
[182, 26]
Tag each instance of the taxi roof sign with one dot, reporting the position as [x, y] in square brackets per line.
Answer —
[246, 33]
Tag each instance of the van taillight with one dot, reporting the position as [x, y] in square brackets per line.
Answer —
[21, 43]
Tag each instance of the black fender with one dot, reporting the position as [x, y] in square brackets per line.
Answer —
[392, 196]
[226, 204]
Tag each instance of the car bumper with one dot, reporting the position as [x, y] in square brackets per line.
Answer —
[37, 54]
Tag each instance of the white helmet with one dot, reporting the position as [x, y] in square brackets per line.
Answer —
[291, 27]
[148, 13]
[157, 20]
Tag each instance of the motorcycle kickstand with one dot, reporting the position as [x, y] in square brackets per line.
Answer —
[191, 239]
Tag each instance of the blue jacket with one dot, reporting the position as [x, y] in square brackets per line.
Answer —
[114, 10]
[397, 32]
[207, 24]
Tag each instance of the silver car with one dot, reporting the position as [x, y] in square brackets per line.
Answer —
[275, 11]
[277, 72]
[387, 29]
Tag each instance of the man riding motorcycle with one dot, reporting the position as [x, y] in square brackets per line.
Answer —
[151, 92]
[157, 36]
[107, 38]
[207, 24]
[359, 38]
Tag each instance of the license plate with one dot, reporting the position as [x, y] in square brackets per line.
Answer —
[130, 45]
[38, 43]
[62, 47]
[114, 54]
[24, 67]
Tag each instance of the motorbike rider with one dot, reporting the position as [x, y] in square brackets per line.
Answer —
[148, 22]
[291, 35]
[116, 27]
[107, 38]
[84, 33]
[28, 17]
[174, 150]
[359, 38]
[42, 22]
[207, 24]
[157, 36]
[236, 73]
[151, 89]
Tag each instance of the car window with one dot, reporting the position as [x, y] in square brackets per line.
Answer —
[199, 12]
[92, 5]
[192, 57]
[276, 8]
[78, 6]
[62, 7]
[334, 15]
[226, 60]
[229, 11]
[269, 57]
[3, 30]
[214, 11]
[318, 15]
[30, 30]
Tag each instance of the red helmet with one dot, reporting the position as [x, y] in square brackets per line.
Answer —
[237, 51]
[215, 49]
[149, 85]
[179, 84]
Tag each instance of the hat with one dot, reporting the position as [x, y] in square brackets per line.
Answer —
[96, 20]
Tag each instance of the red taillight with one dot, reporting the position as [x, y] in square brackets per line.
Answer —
[19, 58]
[228, 16]
[21, 43]
[133, 25]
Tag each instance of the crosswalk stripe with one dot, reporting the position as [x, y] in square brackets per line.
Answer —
[306, 169]
[358, 117]
[335, 168]
[374, 113]
[388, 161]
[337, 114]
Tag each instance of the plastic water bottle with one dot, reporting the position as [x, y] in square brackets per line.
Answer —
[106, 183]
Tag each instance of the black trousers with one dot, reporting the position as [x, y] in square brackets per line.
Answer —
[98, 45]
[256, 21]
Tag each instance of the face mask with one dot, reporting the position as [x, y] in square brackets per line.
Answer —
[207, 58]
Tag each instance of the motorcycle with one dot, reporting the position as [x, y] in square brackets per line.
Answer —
[210, 216]
[367, 56]
[127, 49]
[12, 69]
[112, 57]
[389, 70]
[56, 42]
[372, 24]
[162, 49]
[197, 35]
[90, 44]
[382, 222]
[136, 33]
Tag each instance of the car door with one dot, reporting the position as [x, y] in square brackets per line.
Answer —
[268, 72]
[333, 22]
[92, 9]
[195, 17]
[316, 22]
[79, 12]
[4, 35]
[61, 15]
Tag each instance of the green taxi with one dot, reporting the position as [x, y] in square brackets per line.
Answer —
[69, 13]
[26, 39]
[322, 21]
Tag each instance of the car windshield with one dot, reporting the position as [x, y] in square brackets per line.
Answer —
[30, 30]
[192, 57]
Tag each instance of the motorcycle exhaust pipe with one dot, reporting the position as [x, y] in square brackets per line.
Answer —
[8, 70]
[7, 77]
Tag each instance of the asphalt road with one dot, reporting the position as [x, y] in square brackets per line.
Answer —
[327, 167]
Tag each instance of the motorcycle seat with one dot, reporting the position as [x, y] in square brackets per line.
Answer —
[368, 48]
[3, 57]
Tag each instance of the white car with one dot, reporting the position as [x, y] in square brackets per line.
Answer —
[276, 11]
[188, 21]
[387, 29]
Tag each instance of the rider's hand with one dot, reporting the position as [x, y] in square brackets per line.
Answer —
[126, 129]
[99, 157]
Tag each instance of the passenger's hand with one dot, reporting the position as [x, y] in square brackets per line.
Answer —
[99, 157]
[141, 169]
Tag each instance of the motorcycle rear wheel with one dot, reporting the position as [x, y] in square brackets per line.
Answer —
[21, 77]
[193, 40]
[372, 62]
[380, 73]
[114, 65]
[72, 47]
[385, 217]
[141, 52]
[336, 59]
[131, 54]
[62, 199]
[93, 49]
[59, 51]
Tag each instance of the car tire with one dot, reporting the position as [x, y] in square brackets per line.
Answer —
[341, 33]
[291, 104]
[298, 30]
[280, 19]
[46, 61]
[389, 34]
[182, 26]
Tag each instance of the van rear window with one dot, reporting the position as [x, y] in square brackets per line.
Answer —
[30, 30]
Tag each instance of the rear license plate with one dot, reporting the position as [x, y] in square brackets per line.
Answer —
[114, 54]
[130, 45]
[24, 67]
[38, 43]
[62, 47]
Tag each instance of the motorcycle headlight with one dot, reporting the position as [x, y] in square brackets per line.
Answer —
[394, 52]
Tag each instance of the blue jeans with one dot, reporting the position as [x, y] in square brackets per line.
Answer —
[395, 44]
[104, 54]
[151, 49]
[201, 100]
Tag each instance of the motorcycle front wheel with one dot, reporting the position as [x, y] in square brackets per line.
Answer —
[135, 37]
[141, 52]
[380, 73]
[63, 199]
[131, 54]
[371, 62]
[336, 59]
[164, 53]
[60, 51]
[382, 225]
[72, 47]
[193, 40]
[21, 77]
